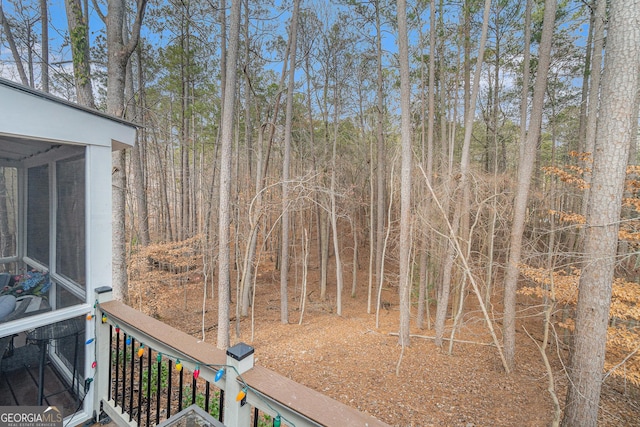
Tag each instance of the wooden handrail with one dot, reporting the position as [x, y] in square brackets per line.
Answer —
[273, 393]
[315, 406]
[183, 343]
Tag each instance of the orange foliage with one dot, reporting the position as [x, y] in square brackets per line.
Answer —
[565, 287]
[623, 340]
[567, 177]
[159, 265]
[631, 203]
[174, 255]
[582, 156]
[622, 358]
[561, 287]
[572, 218]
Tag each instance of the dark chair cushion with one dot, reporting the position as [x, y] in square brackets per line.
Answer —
[5, 279]
[7, 305]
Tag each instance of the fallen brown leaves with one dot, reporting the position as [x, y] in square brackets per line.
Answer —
[350, 360]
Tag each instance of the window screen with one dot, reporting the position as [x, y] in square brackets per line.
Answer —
[38, 214]
[70, 219]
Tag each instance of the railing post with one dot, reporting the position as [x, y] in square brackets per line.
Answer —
[103, 351]
[237, 413]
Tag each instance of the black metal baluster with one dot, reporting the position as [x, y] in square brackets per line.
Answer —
[180, 390]
[193, 390]
[140, 367]
[158, 388]
[169, 390]
[206, 397]
[221, 406]
[256, 414]
[110, 358]
[124, 372]
[117, 368]
[149, 387]
[132, 372]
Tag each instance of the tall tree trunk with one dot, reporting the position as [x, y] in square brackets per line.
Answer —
[138, 158]
[117, 57]
[29, 37]
[466, 34]
[380, 149]
[615, 123]
[332, 195]
[355, 266]
[586, 73]
[44, 46]
[248, 270]
[284, 261]
[424, 242]
[446, 160]
[405, 174]
[424, 263]
[526, 66]
[319, 212]
[463, 202]
[79, 38]
[185, 175]
[599, 21]
[135, 110]
[527, 161]
[223, 50]
[500, 162]
[324, 216]
[226, 140]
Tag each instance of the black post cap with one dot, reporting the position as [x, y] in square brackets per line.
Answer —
[240, 351]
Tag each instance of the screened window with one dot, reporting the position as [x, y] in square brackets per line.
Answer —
[38, 214]
[65, 298]
[70, 219]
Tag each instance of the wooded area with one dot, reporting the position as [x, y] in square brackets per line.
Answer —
[464, 154]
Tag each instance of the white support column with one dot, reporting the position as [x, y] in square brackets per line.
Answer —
[103, 352]
[237, 414]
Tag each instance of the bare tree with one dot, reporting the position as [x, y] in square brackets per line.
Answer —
[527, 161]
[405, 174]
[138, 155]
[616, 118]
[14, 48]
[44, 46]
[599, 20]
[380, 150]
[120, 46]
[526, 75]
[463, 204]
[226, 140]
[79, 37]
[284, 262]
[423, 298]
[332, 191]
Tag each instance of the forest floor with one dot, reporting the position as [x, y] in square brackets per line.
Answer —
[351, 360]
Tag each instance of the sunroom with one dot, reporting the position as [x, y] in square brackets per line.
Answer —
[55, 243]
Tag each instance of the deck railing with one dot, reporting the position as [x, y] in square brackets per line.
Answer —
[147, 371]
